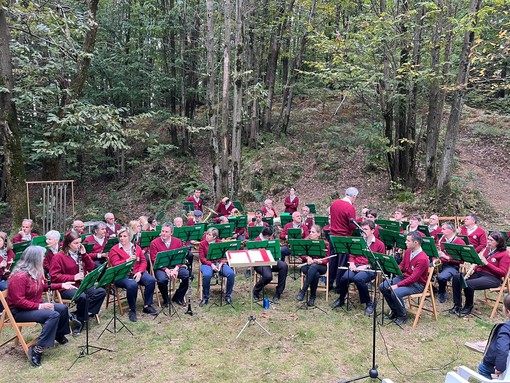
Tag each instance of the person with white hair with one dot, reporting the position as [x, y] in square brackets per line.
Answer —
[52, 239]
[111, 226]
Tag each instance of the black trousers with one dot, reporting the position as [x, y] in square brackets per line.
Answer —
[87, 303]
[478, 281]
[266, 273]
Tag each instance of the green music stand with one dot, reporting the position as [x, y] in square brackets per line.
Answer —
[389, 264]
[111, 242]
[272, 245]
[40, 240]
[404, 225]
[463, 253]
[348, 245]
[19, 248]
[217, 251]
[285, 218]
[268, 220]
[111, 275]
[428, 245]
[238, 222]
[311, 206]
[188, 206]
[88, 282]
[147, 237]
[392, 238]
[294, 233]
[189, 233]
[465, 238]
[83, 236]
[225, 230]
[321, 221]
[424, 229]
[88, 247]
[239, 206]
[388, 225]
[254, 231]
[170, 259]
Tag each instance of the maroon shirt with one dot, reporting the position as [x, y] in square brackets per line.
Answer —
[63, 268]
[47, 260]
[9, 257]
[498, 264]
[98, 248]
[225, 211]
[197, 205]
[25, 293]
[415, 270]
[203, 249]
[158, 245]
[341, 213]
[477, 239]
[18, 238]
[109, 231]
[265, 210]
[377, 247]
[456, 241]
[118, 256]
[291, 206]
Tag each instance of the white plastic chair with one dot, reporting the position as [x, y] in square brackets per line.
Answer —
[453, 377]
[466, 373]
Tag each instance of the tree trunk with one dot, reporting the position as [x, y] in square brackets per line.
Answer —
[238, 100]
[13, 155]
[452, 128]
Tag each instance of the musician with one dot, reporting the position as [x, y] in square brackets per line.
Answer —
[314, 268]
[357, 274]
[197, 218]
[135, 228]
[178, 222]
[224, 207]
[266, 272]
[372, 216]
[71, 264]
[239, 232]
[78, 227]
[6, 259]
[126, 251]
[197, 201]
[208, 268]
[163, 275]
[52, 244]
[477, 236]
[398, 216]
[24, 298]
[294, 224]
[306, 218]
[258, 219]
[496, 262]
[153, 224]
[99, 239]
[291, 202]
[26, 233]
[450, 266]
[414, 222]
[143, 219]
[414, 267]
[342, 211]
[434, 227]
[111, 226]
[268, 210]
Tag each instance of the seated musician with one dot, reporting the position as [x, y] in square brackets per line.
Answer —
[78, 227]
[291, 202]
[450, 267]
[144, 221]
[306, 217]
[496, 262]
[414, 267]
[313, 269]
[356, 273]
[135, 227]
[153, 224]
[71, 264]
[26, 233]
[52, 244]
[372, 216]
[164, 243]
[268, 210]
[6, 259]
[197, 218]
[111, 226]
[258, 219]
[266, 272]
[99, 238]
[24, 298]
[294, 224]
[197, 201]
[208, 268]
[414, 222]
[224, 207]
[178, 222]
[398, 216]
[477, 236]
[239, 232]
[434, 227]
[126, 251]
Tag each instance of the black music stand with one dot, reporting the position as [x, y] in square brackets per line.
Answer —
[348, 245]
[273, 245]
[225, 230]
[311, 248]
[87, 282]
[217, 251]
[189, 233]
[111, 275]
[170, 258]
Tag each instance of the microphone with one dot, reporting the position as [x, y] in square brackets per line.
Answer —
[352, 220]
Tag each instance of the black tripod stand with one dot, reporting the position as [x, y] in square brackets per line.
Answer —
[87, 349]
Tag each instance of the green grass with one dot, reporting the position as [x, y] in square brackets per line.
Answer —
[305, 346]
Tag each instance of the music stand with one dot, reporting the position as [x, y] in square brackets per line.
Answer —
[112, 274]
[88, 246]
[321, 221]
[19, 248]
[111, 242]
[188, 206]
[311, 248]
[217, 251]
[273, 245]
[285, 218]
[388, 225]
[254, 231]
[268, 220]
[463, 253]
[40, 240]
[428, 245]
[393, 239]
[170, 259]
[424, 229]
[87, 282]
[189, 233]
[250, 258]
[238, 222]
[225, 230]
[147, 237]
[294, 234]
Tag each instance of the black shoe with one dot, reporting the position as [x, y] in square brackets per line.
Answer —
[132, 316]
[311, 302]
[204, 302]
[301, 295]
[455, 310]
[228, 300]
[369, 310]
[256, 295]
[34, 357]
[164, 304]
[179, 302]
[61, 339]
[247, 274]
[400, 320]
[149, 310]
[338, 303]
[276, 298]
[392, 315]
[442, 297]
[466, 310]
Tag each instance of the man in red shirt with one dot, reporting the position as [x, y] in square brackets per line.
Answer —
[197, 201]
[477, 236]
[26, 233]
[415, 268]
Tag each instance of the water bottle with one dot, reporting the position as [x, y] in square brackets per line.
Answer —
[266, 303]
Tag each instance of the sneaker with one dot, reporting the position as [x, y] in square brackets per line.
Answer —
[77, 329]
[132, 316]
[300, 296]
[34, 357]
[400, 320]
[442, 297]
[149, 310]
[276, 298]
[369, 310]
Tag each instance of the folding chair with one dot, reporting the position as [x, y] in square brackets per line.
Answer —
[319, 287]
[488, 300]
[7, 320]
[417, 301]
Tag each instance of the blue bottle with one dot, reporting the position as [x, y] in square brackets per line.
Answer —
[266, 303]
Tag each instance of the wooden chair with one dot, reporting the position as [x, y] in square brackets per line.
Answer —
[319, 287]
[488, 300]
[7, 320]
[417, 301]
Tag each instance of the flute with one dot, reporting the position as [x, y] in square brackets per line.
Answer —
[304, 264]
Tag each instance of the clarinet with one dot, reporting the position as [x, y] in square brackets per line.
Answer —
[50, 292]
[80, 263]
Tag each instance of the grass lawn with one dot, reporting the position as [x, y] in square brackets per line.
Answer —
[305, 346]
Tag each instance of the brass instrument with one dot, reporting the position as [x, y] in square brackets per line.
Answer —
[211, 212]
[470, 271]
[437, 262]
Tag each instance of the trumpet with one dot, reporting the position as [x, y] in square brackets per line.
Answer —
[437, 262]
